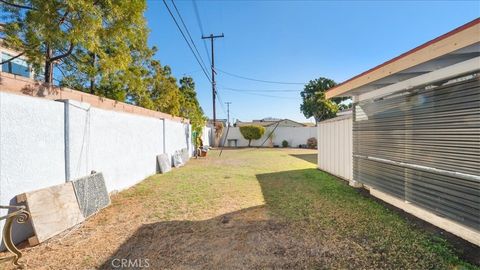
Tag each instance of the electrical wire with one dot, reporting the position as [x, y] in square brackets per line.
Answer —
[188, 33]
[256, 80]
[262, 95]
[200, 25]
[221, 103]
[260, 91]
[186, 40]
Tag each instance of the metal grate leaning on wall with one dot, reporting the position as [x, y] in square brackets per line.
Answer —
[423, 146]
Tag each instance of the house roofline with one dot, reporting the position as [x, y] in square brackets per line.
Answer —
[353, 82]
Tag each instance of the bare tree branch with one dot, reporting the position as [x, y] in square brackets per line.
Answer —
[61, 71]
[12, 58]
[64, 17]
[70, 50]
[17, 5]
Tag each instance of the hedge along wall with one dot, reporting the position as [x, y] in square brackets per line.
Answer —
[44, 142]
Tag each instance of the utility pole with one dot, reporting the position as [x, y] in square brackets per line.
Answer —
[214, 91]
[228, 112]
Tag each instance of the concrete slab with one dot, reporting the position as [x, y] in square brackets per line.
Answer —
[91, 193]
[164, 163]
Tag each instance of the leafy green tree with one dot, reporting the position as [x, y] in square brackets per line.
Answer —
[252, 132]
[100, 33]
[314, 102]
[133, 84]
[99, 47]
[189, 106]
[120, 69]
[164, 91]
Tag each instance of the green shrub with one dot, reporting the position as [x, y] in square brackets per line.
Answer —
[284, 143]
[312, 143]
[252, 132]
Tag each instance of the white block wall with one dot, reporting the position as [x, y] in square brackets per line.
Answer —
[207, 136]
[121, 145]
[293, 135]
[177, 136]
[31, 149]
[335, 146]
[45, 143]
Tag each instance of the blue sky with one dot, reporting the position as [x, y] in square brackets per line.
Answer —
[294, 41]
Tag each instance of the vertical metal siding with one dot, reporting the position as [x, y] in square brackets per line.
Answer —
[335, 146]
[424, 147]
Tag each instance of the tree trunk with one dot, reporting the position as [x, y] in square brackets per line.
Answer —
[92, 79]
[48, 67]
[50, 60]
[249, 141]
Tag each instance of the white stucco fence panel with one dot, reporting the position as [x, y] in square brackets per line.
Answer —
[295, 136]
[207, 136]
[121, 145]
[177, 137]
[31, 149]
[335, 154]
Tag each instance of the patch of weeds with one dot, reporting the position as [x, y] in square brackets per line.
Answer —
[87, 260]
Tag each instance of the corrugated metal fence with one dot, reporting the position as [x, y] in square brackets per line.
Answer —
[424, 147]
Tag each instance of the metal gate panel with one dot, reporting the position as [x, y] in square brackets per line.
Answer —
[423, 146]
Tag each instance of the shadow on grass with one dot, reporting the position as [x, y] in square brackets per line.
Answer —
[309, 220]
[312, 158]
[245, 239]
[241, 239]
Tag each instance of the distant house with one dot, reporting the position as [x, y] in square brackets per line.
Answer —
[267, 122]
[17, 66]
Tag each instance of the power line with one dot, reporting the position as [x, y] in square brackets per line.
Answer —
[262, 95]
[200, 25]
[188, 33]
[253, 79]
[186, 40]
[221, 103]
[260, 91]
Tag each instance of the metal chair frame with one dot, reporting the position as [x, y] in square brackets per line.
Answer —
[21, 215]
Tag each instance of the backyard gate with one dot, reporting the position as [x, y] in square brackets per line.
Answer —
[423, 147]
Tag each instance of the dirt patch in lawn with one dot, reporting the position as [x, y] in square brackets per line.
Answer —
[246, 239]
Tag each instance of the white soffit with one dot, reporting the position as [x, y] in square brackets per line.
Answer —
[458, 69]
[421, 71]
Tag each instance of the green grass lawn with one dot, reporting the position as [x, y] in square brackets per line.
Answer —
[251, 208]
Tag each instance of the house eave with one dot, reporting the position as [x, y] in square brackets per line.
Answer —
[458, 45]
